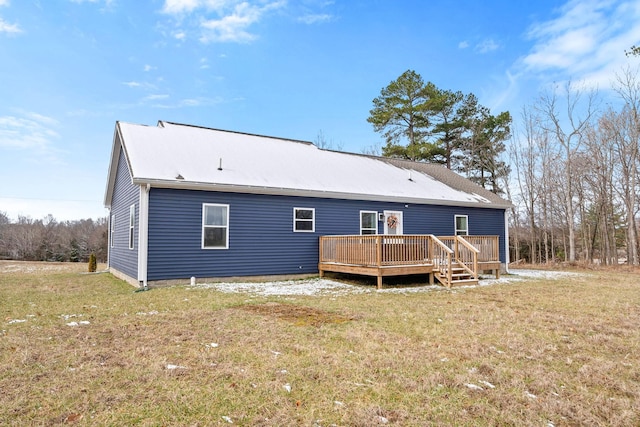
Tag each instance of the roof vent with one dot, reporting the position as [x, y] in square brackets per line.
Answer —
[220, 167]
[180, 177]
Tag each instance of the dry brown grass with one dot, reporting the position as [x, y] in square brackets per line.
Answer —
[564, 352]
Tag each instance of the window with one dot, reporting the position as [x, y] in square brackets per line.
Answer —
[113, 230]
[368, 222]
[304, 220]
[462, 225]
[132, 223]
[215, 226]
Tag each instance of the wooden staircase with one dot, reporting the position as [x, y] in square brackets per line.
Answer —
[460, 275]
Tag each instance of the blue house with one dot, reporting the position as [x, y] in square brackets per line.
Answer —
[187, 201]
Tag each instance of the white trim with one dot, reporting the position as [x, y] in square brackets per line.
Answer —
[312, 220]
[506, 241]
[375, 221]
[226, 226]
[143, 234]
[110, 237]
[112, 230]
[455, 225]
[248, 189]
[132, 226]
[399, 222]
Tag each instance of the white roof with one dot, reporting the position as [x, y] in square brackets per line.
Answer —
[182, 156]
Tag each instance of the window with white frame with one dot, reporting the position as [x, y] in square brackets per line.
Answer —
[462, 225]
[368, 222]
[113, 230]
[304, 220]
[215, 226]
[132, 223]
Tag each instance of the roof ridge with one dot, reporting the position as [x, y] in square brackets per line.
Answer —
[162, 122]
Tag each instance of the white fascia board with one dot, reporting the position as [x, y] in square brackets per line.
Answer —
[113, 168]
[118, 147]
[229, 188]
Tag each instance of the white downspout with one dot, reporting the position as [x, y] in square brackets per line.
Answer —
[109, 239]
[143, 235]
[506, 240]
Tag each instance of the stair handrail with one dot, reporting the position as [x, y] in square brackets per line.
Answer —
[474, 254]
[441, 253]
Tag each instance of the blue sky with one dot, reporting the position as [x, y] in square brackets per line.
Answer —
[69, 69]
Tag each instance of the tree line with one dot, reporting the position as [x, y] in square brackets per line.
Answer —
[578, 176]
[50, 240]
[577, 173]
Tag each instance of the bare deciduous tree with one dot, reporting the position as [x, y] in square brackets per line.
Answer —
[568, 129]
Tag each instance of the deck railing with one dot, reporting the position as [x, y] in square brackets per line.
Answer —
[376, 250]
[488, 246]
[449, 256]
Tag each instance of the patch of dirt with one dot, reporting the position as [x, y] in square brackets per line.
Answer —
[297, 314]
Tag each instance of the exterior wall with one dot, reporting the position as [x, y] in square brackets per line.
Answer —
[261, 237]
[125, 194]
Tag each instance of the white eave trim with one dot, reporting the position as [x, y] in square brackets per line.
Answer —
[230, 188]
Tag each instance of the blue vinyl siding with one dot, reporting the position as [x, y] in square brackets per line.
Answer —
[125, 194]
[261, 237]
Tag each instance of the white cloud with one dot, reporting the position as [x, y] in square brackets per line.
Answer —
[188, 6]
[234, 27]
[463, 44]
[148, 67]
[231, 28]
[180, 6]
[315, 18]
[486, 46]
[232, 21]
[143, 85]
[6, 27]
[586, 41]
[31, 132]
[156, 97]
[107, 3]
[187, 102]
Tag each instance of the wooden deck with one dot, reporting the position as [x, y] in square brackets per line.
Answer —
[452, 260]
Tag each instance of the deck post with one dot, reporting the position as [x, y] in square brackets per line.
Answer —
[379, 259]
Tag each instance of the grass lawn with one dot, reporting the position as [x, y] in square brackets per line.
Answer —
[85, 349]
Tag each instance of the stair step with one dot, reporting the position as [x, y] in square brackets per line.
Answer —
[465, 274]
[466, 281]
